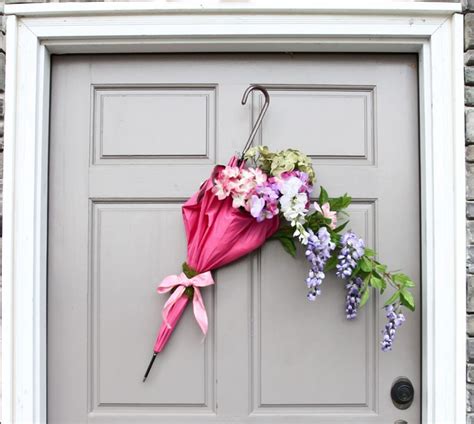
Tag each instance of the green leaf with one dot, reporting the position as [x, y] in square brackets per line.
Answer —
[377, 283]
[323, 196]
[365, 264]
[377, 275]
[284, 231]
[403, 280]
[331, 263]
[398, 278]
[334, 237]
[369, 252]
[339, 203]
[364, 298]
[395, 296]
[356, 270]
[407, 299]
[366, 282]
[341, 227]
[381, 269]
[288, 244]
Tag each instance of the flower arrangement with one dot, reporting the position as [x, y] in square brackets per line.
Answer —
[264, 195]
[280, 184]
[267, 195]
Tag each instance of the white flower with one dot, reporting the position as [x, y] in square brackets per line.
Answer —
[300, 232]
[290, 186]
[293, 207]
[238, 200]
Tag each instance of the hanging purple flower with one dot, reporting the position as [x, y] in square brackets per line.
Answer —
[353, 297]
[318, 252]
[352, 250]
[395, 320]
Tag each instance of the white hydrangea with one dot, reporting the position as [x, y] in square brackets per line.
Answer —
[293, 206]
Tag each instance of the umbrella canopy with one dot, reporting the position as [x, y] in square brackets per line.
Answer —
[218, 233]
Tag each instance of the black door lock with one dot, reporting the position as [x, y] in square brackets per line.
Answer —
[402, 393]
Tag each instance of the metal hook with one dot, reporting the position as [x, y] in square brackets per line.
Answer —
[259, 120]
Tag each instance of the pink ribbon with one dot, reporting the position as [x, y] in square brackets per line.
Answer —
[181, 282]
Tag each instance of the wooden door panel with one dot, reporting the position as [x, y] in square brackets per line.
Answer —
[132, 137]
[308, 114]
[156, 113]
[307, 342]
[130, 248]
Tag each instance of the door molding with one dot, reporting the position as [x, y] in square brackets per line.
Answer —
[36, 31]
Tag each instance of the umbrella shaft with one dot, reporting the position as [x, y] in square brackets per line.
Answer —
[150, 365]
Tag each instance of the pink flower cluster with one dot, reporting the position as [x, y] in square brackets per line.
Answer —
[262, 196]
[238, 183]
[250, 189]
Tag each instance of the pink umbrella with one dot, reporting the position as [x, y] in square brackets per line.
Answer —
[165, 331]
[217, 235]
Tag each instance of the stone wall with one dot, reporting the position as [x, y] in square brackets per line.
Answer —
[469, 104]
[2, 98]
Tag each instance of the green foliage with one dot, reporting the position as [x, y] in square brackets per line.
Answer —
[275, 163]
[323, 196]
[331, 263]
[393, 299]
[339, 203]
[374, 274]
[369, 252]
[285, 236]
[365, 264]
[189, 292]
[336, 204]
[341, 227]
[188, 271]
[406, 298]
[364, 298]
[289, 245]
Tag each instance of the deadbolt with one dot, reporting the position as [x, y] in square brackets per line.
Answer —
[402, 393]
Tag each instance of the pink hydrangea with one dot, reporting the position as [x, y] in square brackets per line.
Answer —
[226, 182]
[238, 183]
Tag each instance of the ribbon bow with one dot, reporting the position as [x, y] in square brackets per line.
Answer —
[181, 282]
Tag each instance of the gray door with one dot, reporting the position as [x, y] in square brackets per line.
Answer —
[131, 138]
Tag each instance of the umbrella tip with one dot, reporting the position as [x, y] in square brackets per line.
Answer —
[149, 366]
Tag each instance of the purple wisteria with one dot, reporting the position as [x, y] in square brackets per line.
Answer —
[352, 250]
[318, 251]
[353, 297]
[395, 320]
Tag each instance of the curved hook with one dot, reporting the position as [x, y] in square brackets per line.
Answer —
[259, 120]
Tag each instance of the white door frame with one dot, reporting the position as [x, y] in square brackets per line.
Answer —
[35, 31]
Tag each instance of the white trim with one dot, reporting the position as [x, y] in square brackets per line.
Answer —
[221, 7]
[431, 29]
[8, 376]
